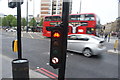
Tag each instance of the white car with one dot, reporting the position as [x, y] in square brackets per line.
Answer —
[10, 30]
[87, 44]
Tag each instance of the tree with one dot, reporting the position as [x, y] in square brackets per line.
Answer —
[5, 22]
[41, 22]
[33, 22]
[23, 22]
[14, 22]
[9, 20]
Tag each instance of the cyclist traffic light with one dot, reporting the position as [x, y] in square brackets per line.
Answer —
[56, 47]
[13, 3]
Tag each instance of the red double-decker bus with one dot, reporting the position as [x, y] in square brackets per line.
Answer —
[49, 23]
[86, 23]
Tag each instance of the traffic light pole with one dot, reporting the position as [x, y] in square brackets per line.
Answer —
[65, 14]
[19, 30]
[20, 66]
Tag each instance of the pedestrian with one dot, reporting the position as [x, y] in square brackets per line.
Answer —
[115, 45]
[118, 35]
[109, 37]
[105, 38]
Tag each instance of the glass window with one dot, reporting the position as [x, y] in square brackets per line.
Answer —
[74, 17]
[72, 37]
[56, 18]
[82, 17]
[77, 37]
[48, 18]
[53, 18]
[83, 38]
[96, 37]
[49, 28]
[89, 17]
[90, 30]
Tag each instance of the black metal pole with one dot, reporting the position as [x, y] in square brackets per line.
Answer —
[19, 30]
[65, 15]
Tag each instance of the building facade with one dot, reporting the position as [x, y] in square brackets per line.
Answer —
[51, 7]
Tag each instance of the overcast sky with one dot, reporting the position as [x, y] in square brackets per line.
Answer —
[107, 10]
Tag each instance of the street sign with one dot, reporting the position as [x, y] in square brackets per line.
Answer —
[55, 60]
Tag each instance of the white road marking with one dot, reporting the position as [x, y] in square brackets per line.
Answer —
[31, 35]
[22, 34]
[47, 63]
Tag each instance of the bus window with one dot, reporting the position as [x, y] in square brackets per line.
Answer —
[48, 18]
[90, 30]
[89, 17]
[56, 18]
[74, 17]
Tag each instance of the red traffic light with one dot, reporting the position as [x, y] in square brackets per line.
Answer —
[56, 34]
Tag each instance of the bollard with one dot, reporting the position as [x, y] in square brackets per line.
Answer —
[20, 69]
[115, 45]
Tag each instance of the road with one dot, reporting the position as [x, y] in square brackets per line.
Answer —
[36, 49]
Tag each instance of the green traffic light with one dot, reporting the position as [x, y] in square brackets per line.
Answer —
[55, 51]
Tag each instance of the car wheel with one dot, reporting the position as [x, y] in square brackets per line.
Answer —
[87, 52]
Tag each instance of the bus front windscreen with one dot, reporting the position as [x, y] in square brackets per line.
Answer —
[53, 18]
[82, 17]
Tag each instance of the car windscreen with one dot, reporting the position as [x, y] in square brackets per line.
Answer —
[97, 38]
[78, 37]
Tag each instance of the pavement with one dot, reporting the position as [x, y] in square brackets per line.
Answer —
[6, 69]
[112, 42]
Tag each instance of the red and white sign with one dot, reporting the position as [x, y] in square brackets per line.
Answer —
[55, 60]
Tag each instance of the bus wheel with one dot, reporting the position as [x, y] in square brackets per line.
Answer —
[87, 52]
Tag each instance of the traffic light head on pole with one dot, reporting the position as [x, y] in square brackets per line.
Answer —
[13, 3]
[56, 47]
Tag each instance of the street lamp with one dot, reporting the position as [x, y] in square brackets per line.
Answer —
[80, 6]
[27, 17]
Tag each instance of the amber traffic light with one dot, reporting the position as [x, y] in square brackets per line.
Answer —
[56, 47]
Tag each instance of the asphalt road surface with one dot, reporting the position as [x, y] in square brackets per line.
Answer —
[36, 49]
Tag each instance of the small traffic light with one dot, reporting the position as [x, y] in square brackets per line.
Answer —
[56, 47]
[13, 3]
[15, 46]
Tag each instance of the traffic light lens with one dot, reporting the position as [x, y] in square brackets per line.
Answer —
[55, 51]
[56, 34]
[56, 43]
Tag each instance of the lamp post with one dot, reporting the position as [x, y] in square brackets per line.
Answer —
[80, 6]
[27, 17]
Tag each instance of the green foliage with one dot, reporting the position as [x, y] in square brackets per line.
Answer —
[14, 22]
[23, 22]
[5, 22]
[9, 20]
[41, 22]
[32, 22]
